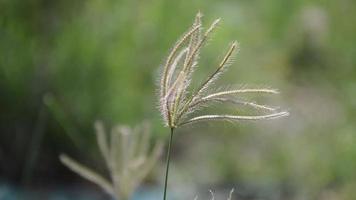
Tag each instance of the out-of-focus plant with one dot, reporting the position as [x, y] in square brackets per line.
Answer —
[177, 104]
[127, 157]
[213, 196]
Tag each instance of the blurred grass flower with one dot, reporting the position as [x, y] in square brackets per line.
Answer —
[213, 196]
[127, 157]
[177, 104]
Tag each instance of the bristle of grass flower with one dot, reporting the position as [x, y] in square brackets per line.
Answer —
[175, 63]
[195, 38]
[231, 92]
[232, 101]
[226, 61]
[193, 54]
[171, 56]
[234, 117]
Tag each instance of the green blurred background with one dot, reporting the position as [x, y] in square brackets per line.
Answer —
[64, 64]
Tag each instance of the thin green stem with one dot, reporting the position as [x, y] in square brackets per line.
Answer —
[167, 167]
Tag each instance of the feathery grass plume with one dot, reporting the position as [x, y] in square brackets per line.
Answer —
[178, 105]
[127, 157]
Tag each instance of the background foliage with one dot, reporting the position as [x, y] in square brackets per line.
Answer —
[64, 64]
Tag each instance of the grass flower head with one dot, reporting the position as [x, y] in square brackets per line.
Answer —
[127, 156]
[178, 104]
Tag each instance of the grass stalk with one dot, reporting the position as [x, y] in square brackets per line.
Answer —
[167, 166]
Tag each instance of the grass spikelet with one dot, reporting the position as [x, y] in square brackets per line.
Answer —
[234, 117]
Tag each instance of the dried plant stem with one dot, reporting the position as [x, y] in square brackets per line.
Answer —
[168, 159]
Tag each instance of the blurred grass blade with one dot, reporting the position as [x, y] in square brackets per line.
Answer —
[102, 141]
[61, 117]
